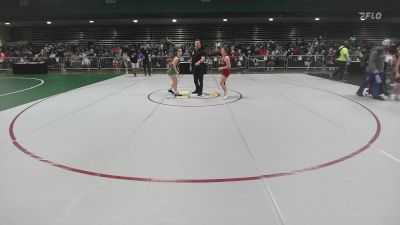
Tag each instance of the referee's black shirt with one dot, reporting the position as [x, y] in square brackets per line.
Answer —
[197, 54]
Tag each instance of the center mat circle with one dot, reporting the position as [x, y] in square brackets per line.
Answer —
[211, 97]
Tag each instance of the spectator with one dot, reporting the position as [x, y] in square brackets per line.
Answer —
[2, 58]
[352, 41]
[146, 61]
[342, 60]
[126, 59]
[374, 71]
[60, 58]
[135, 61]
[117, 64]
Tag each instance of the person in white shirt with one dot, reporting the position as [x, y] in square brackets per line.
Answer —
[126, 59]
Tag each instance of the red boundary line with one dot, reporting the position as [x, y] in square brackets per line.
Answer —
[217, 180]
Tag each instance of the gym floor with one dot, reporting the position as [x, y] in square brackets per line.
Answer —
[286, 149]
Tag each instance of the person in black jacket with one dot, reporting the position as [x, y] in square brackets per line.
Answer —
[146, 61]
[198, 67]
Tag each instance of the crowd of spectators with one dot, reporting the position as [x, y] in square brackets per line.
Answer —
[237, 50]
[318, 46]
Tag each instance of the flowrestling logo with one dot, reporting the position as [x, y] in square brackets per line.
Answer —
[370, 15]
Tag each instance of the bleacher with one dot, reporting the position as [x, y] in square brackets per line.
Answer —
[280, 33]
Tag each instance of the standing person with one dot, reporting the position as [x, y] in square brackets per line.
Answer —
[2, 58]
[352, 41]
[373, 73]
[126, 59]
[225, 71]
[117, 61]
[396, 87]
[146, 61]
[198, 67]
[173, 72]
[61, 59]
[342, 59]
[135, 61]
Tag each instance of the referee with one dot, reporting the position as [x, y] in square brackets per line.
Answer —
[198, 67]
